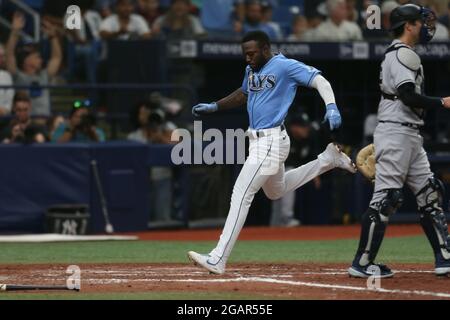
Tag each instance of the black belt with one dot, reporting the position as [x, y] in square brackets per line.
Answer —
[405, 124]
[260, 134]
[389, 96]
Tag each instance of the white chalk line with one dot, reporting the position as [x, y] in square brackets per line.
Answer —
[278, 281]
[308, 284]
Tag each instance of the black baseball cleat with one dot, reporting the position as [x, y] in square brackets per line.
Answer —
[376, 270]
[442, 266]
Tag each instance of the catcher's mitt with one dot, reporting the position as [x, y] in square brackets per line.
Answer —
[365, 162]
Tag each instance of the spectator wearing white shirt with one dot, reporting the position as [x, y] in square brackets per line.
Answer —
[124, 24]
[6, 95]
[441, 33]
[336, 27]
[299, 28]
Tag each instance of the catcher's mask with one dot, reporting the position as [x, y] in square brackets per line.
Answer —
[411, 12]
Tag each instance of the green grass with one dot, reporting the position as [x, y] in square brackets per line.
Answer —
[405, 249]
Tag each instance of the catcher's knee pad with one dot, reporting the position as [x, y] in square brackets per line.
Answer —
[392, 200]
[431, 197]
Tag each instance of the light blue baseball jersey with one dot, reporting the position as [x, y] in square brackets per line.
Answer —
[271, 90]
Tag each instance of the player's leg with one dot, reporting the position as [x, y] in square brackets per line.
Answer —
[429, 193]
[284, 182]
[283, 209]
[392, 154]
[262, 154]
[373, 227]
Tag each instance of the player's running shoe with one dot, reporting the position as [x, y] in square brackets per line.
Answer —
[375, 270]
[337, 158]
[207, 262]
[442, 266]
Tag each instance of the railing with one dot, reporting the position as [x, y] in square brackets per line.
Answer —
[36, 21]
[354, 105]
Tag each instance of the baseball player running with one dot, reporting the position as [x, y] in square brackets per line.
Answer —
[268, 88]
[399, 154]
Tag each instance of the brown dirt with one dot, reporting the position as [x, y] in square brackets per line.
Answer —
[264, 233]
[284, 281]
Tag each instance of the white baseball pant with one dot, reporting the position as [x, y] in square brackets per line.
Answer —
[264, 168]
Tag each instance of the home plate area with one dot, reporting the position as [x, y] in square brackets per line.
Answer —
[271, 281]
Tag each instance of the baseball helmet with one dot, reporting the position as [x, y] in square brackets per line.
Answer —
[411, 12]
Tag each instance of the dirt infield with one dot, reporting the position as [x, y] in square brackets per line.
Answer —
[265, 233]
[271, 281]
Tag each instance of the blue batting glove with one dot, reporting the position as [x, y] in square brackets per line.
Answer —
[333, 116]
[204, 108]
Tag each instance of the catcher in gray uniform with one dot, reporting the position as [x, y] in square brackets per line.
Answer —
[399, 154]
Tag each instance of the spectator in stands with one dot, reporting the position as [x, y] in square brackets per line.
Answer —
[314, 18]
[124, 24]
[86, 45]
[104, 7]
[149, 122]
[267, 13]
[336, 27]
[223, 18]
[6, 95]
[299, 28]
[27, 68]
[383, 33]
[352, 13]
[21, 127]
[150, 126]
[54, 12]
[254, 20]
[442, 32]
[149, 10]
[81, 127]
[178, 23]
[445, 19]
[53, 123]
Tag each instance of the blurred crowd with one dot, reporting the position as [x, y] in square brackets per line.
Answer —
[62, 52]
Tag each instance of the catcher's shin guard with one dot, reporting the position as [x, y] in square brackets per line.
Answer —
[431, 228]
[432, 218]
[372, 234]
[374, 224]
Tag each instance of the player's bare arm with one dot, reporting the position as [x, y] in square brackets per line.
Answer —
[56, 55]
[235, 99]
